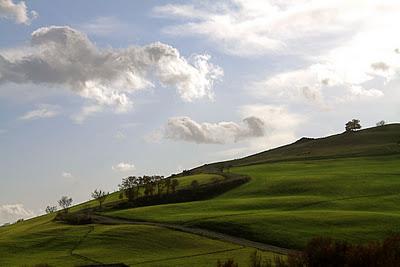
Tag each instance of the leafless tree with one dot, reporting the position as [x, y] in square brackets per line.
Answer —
[65, 202]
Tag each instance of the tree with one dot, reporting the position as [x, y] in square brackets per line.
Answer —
[174, 185]
[51, 209]
[160, 183]
[353, 125]
[380, 123]
[100, 196]
[194, 184]
[167, 184]
[149, 185]
[65, 202]
[130, 188]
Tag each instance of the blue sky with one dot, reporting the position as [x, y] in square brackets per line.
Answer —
[92, 91]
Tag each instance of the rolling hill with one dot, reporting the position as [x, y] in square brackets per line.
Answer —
[346, 186]
[384, 140]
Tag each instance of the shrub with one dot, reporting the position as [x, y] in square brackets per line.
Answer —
[74, 218]
[333, 253]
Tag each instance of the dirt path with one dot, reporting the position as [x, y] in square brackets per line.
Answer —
[202, 232]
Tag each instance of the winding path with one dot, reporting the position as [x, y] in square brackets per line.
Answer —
[101, 219]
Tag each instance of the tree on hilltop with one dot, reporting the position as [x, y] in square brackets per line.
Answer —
[380, 123]
[353, 125]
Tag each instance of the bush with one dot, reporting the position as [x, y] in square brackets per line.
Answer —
[333, 253]
[74, 218]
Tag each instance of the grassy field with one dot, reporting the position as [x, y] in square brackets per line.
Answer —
[374, 141]
[345, 186]
[43, 241]
[287, 203]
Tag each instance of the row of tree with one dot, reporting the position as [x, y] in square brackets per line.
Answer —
[134, 186]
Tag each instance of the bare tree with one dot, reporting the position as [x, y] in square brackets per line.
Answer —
[51, 209]
[380, 123]
[100, 196]
[65, 202]
[353, 125]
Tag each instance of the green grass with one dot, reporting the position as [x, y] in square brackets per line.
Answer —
[202, 178]
[43, 241]
[287, 203]
[374, 141]
[346, 186]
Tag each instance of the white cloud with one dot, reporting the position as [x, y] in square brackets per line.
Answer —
[16, 11]
[274, 117]
[319, 84]
[2, 131]
[254, 27]
[186, 129]
[67, 175]
[11, 212]
[43, 111]
[123, 167]
[107, 77]
[280, 126]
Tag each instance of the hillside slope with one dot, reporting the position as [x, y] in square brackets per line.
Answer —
[382, 140]
[345, 186]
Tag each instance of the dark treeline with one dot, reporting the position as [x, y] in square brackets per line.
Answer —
[154, 190]
[134, 187]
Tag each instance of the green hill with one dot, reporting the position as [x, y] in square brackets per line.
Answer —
[384, 140]
[346, 186]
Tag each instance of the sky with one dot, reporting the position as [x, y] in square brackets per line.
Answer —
[93, 91]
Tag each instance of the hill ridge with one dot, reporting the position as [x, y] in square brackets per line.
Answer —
[379, 140]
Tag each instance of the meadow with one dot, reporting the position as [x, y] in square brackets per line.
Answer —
[346, 186]
[42, 240]
[287, 203]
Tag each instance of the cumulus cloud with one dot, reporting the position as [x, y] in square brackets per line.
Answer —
[280, 127]
[275, 117]
[186, 129]
[11, 212]
[62, 56]
[16, 11]
[123, 167]
[43, 111]
[254, 27]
